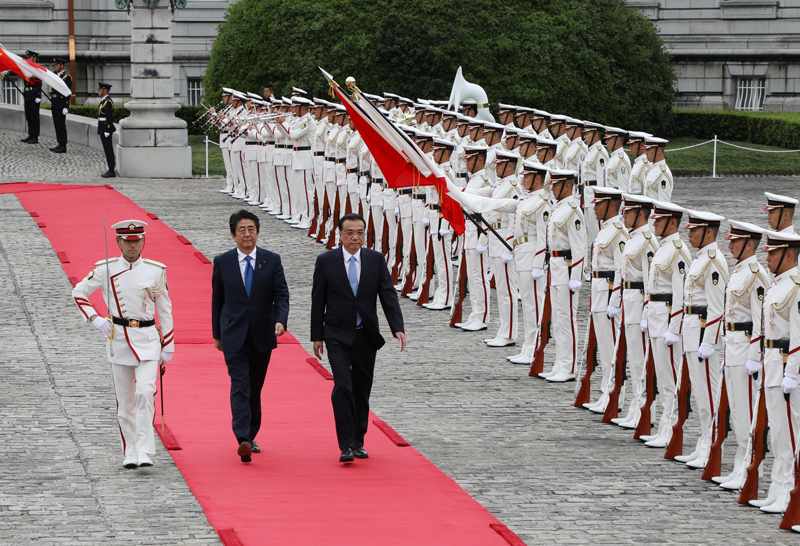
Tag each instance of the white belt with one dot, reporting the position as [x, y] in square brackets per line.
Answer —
[101, 119]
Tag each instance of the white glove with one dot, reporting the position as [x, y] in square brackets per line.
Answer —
[166, 356]
[426, 221]
[37, 101]
[106, 134]
[368, 198]
[643, 325]
[574, 286]
[537, 273]
[358, 192]
[444, 232]
[789, 382]
[397, 211]
[381, 204]
[506, 257]
[103, 325]
[64, 111]
[671, 339]
[753, 366]
[480, 249]
[612, 311]
[721, 364]
[705, 351]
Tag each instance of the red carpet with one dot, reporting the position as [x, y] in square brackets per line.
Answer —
[295, 492]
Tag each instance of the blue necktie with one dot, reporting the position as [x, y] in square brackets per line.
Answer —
[353, 274]
[248, 275]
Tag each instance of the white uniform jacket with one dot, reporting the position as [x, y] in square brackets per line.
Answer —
[704, 287]
[782, 321]
[743, 298]
[639, 252]
[566, 232]
[607, 251]
[667, 276]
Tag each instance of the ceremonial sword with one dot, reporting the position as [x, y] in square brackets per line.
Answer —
[108, 291]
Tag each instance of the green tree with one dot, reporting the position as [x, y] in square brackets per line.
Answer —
[598, 60]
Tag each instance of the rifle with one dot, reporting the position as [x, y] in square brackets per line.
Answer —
[792, 515]
[335, 214]
[312, 230]
[426, 285]
[480, 218]
[371, 230]
[675, 446]
[408, 285]
[543, 338]
[643, 428]
[757, 445]
[326, 213]
[385, 239]
[398, 252]
[620, 359]
[591, 361]
[461, 287]
[722, 426]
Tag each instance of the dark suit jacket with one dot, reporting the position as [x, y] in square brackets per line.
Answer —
[233, 313]
[333, 305]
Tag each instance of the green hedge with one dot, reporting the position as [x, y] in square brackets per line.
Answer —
[768, 128]
[186, 113]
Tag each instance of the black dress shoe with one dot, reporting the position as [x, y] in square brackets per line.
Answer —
[360, 453]
[26, 139]
[254, 447]
[109, 174]
[244, 451]
[34, 140]
[346, 456]
[59, 149]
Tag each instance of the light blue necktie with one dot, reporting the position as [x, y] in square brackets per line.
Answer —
[353, 274]
[248, 275]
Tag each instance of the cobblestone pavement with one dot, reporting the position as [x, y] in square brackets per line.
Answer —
[19, 160]
[551, 472]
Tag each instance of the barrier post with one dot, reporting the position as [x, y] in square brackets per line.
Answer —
[714, 164]
[206, 141]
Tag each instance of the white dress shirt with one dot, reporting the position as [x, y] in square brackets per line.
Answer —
[243, 261]
[347, 257]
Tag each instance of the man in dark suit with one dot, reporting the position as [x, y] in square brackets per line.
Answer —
[347, 283]
[249, 309]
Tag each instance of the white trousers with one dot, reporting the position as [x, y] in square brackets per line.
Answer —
[783, 417]
[226, 159]
[505, 282]
[135, 387]
[635, 341]
[254, 181]
[479, 286]
[667, 362]
[742, 390]
[565, 315]
[238, 174]
[283, 189]
[705, 378]
[532, 294]
[442, 249]
[605, 332]
[389, 204]
[303, 189]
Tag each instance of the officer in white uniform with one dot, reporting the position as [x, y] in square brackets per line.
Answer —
[301, 134]
[664, 314]
[641, 167]
[635, 270]
[658, 184]
[566, 236]
[743, 298]
[780, 210]
[136, 347]
[703, 303]
[781, 366]
[618, 172]
[605, 300]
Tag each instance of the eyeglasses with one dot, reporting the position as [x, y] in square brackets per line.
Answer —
[350, 233]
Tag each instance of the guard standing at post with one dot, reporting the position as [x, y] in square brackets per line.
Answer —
[105, 128]
[32, 94]
[60, 107]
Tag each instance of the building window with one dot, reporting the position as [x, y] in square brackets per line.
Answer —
[195, 91]
[11, 94]
[750, 94]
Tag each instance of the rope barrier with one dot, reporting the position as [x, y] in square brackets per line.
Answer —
[756, 150]
[689, 147]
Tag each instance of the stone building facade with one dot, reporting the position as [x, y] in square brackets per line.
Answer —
[731, 54]
[102, 38]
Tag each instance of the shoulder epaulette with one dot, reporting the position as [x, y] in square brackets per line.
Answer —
[573, 204]
[663, 168]
[754, 267]
[109, 260]
[678, 243]
[647, 234]
[485, 177]
[446, 168]
[618, 225]
[712, 253]
[621, 154]
[796, 279]
[159, 264]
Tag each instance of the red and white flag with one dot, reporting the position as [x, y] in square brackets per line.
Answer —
[28, 70]
[402, 162]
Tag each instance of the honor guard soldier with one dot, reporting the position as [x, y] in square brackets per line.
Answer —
[540, 121]
[301, 170]
[60, 105]
[593, 169]
[641, 167]
[658, 184]
[743, 299]
[566, 236]
[618, 172]
[32, 94]
[664, 314]
[106, 128]
[781, 310]
[780, 210]
[703, 305]
[134, 289]
[605, 300]
[635, 270]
